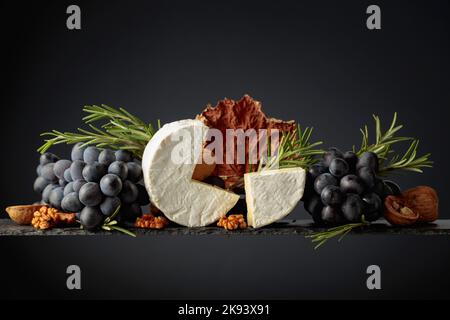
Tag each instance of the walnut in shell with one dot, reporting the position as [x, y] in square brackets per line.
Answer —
[22, 214]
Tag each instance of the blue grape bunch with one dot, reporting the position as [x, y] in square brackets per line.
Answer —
[93, 184]
[344, 186]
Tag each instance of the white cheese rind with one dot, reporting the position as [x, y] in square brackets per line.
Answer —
[271, 195]
[170, 185]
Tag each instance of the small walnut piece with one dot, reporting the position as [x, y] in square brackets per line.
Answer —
[47, 218]
[149, 221]
[232, 222]
[407, 212]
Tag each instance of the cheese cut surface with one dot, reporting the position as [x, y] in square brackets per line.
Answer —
[272, 194]
[169, 181]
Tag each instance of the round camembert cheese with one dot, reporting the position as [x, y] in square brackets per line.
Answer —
[168, 163]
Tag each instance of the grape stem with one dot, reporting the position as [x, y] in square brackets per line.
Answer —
[110, 224]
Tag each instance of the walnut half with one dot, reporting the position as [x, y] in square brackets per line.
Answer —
[232, 222]
[47, 218]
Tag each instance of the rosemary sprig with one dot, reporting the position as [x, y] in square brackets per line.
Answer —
[122, 130]
[383, 147]
[320, 238]
[294, 150]
[111, 224]
[409, 161]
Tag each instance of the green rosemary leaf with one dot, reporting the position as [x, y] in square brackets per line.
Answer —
[294, 150]
[123, 230]
[322, 237]
[122, 130]
[383, 147]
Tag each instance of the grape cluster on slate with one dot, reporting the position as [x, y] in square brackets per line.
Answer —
[342, 187]
[93, 184]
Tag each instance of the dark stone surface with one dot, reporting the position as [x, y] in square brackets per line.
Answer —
[286, 227]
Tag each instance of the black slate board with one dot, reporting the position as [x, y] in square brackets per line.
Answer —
[284, 227]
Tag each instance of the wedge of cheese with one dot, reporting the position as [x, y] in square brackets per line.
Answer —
[168, 163]
[272, 194]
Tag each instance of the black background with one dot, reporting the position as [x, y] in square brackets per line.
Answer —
[315, 62]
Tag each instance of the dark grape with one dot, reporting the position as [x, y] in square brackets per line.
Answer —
[71, 202]
[331, 215]
[372, 206]
[373, 216]
[385, 188]
[138, 161]
[216, 181]
[111, 185]
[124, 155]
[314, 205]
[143, 198]
[90, 154]
[351, 184]
[109, 205]
[325, 179]
[316, 170]
[379, 188]
[395, 188]
[129, 212]
[331, 154]
[47, 158]
[40, 184]
[352, 159]
[134, 172]
[61, 166]
[68, 188]
[352, 207]
[46, 192]
[76, 169]
[39, 169]
[119, 168]
[77, 184]
[67, 175]
[338, 167]
[91, 218]
[106, 157]
[368, 159]
[331, 196]
[93, 172]
[47, 172]
[90, 194]
[56, 196]
[367, 176]
[309, 187]
[129, 192]
[77, 152]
